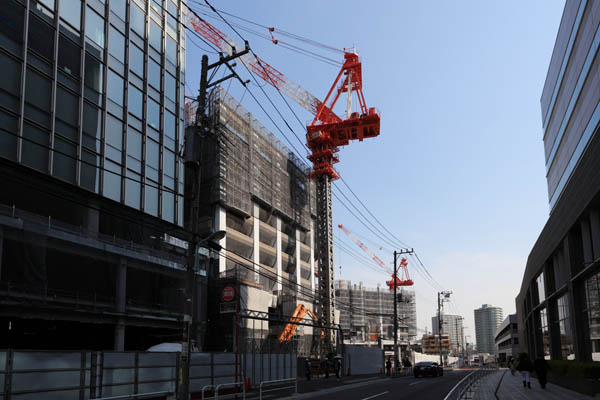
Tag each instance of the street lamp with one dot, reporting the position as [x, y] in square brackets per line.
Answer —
[189, 329]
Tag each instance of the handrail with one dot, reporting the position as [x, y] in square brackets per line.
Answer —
[232, 384]
[295, 386]
[206, 387]
[467, 382]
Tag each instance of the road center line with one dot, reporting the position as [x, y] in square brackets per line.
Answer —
[376, 395]
[415, 383]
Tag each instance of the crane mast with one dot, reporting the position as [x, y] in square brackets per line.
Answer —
[324, 136]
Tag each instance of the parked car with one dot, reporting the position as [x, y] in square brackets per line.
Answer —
[425, 368]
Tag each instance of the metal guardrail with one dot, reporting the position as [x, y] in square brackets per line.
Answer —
[137, 396]
[276, 382]
[466, 387]
[232, 384]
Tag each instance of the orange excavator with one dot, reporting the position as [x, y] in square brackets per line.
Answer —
[297, 316]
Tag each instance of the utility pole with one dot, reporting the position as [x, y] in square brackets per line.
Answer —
[192, 201]
[442, 296]
[395, 284]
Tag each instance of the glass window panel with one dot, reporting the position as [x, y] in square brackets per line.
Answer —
[10, 83]
[112, 180]
[9, 127]
[48, 3]
[116, 44]
[171, 50]
[152, 153]
[136, 60]
[70, 11]
[168, 206]
[155, 36]
[592, 294]
[92, 122]
[65, 160]
[67, 106]
[135, 104]
[133, 189]
[151, 198]
[11, 27]
[134, 143]
[93, 78]
[69, 56]
[138, 20]
[90, 171]
[114, 88]
[114, 132]
[38, 92]
[119, 8]
[157, 6]
[170, 127]
[35, 147]
[94, 27]
[41, 37]
[541, 288]
[153, 116]
[153, 73]
[170, 87]
[169, 163]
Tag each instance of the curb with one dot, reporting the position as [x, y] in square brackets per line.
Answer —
[358, 383]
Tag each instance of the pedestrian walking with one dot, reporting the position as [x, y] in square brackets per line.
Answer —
[512, 366]
[337, 364]
[525, 367]
[541, 367]
[307, 368]
[388, 367]
[326, 367]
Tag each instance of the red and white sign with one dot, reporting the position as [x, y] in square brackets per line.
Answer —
[228, 293]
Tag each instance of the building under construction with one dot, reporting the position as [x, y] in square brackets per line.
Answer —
[260, 193]
[368, 315]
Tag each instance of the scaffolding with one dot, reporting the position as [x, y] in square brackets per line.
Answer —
[243, 161]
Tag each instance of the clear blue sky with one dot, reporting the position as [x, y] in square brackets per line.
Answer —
[458, 170]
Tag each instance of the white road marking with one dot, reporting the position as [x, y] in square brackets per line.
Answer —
[376, 395]
[415, 383]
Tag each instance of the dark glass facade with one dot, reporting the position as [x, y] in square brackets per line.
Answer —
[92, 94]
[557, 307]
[91, 128]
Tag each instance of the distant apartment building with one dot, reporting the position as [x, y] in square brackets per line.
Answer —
[506, 338]
[256, 190]
[91, 111]
[452, 325]
[370, 315]
[558, 306]
[487, 320]
[430, 344]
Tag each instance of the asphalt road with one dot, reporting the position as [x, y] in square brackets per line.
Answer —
[399, 388]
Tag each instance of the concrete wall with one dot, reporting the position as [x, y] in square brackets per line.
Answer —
[363, 360]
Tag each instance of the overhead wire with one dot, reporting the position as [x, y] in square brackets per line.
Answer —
[421, 267]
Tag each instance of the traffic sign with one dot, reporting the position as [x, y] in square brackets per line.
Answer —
[228, 293]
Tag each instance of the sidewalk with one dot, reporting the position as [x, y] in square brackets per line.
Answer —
[511, 388]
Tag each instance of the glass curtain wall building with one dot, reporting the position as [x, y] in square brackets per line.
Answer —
[558, 307]
[91, 132]
[92, 95]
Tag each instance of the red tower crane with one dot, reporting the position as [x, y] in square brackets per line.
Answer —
[324, 136]
[403, 280]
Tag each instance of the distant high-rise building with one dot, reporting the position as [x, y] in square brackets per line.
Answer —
[487, 320]
[453, 326]
[91, 129]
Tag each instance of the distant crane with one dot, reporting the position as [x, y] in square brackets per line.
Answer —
[325, 134]
[403, 280]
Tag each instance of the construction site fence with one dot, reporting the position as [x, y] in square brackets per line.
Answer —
[82, 375]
